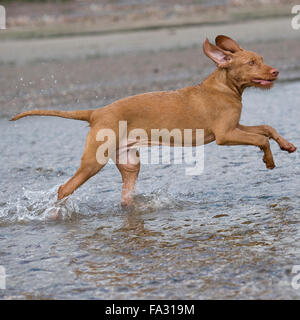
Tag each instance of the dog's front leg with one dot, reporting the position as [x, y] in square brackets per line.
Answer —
[271, 133]
[240, 137]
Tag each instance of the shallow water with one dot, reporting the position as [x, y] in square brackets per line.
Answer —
[232, 232]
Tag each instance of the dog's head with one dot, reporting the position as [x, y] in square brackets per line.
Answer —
[244, 67]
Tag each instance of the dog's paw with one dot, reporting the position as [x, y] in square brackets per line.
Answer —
[61, 193]
[289, 148]
[269, 163]
[286, 146]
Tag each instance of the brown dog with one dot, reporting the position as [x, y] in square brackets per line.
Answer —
[214, 105]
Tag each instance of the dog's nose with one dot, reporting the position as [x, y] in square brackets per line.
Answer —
[274, 72]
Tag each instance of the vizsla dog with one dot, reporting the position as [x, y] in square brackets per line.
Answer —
[215, 105]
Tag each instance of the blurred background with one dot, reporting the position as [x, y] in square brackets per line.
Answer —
[59, 17]
[231, 233]
[67, 54]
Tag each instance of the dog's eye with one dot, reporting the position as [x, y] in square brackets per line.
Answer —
[251, 63]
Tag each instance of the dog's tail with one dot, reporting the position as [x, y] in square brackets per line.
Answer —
[77, 115]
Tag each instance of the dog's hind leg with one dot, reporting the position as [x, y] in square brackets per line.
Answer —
[129, 173]
[85, 171]
[90, 165]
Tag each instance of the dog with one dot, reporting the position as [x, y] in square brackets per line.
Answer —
[214, 105]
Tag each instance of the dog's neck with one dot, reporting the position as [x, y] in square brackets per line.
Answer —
[220, 81]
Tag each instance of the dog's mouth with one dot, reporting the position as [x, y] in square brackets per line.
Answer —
[264, 82]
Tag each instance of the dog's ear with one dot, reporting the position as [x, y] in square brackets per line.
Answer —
[227, 44]
[221, 57]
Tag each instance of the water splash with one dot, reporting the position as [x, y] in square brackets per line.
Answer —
[38, 206]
